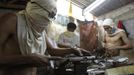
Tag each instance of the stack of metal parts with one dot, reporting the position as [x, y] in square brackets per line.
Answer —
[74, 65]
[88, 65]
[95, 64]
[100, 65]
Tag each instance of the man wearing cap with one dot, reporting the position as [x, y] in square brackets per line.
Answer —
[116, 40]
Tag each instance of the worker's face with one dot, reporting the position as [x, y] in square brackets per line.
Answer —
[108, 29]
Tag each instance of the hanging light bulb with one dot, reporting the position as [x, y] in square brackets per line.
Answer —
[70, 8]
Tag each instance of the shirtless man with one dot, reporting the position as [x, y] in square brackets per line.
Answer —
[25, 34]
[116, 40]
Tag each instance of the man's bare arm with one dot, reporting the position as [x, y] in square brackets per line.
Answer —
[58, 51]
[127, 44]
[63, 46]
[7, 27]
[3, 37]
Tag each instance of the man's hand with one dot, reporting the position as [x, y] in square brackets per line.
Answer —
[76, 51]
[80, 51]
[40, 58]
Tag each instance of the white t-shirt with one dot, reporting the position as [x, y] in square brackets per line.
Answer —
[69, 38]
